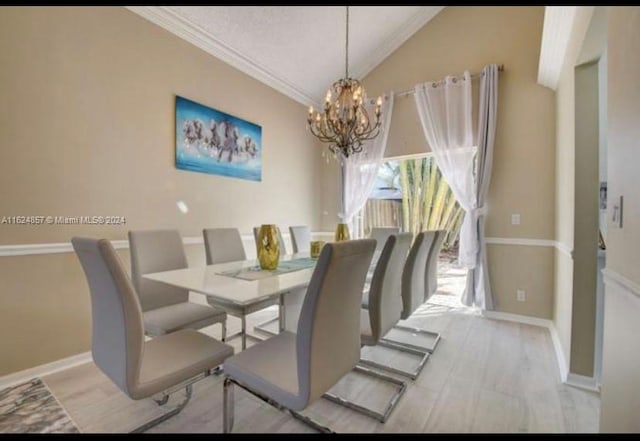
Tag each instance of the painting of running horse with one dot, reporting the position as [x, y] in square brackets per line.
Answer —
[211, 141]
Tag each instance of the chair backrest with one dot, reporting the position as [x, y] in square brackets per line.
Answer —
[283, 248]
[300, 238]
[380, 234]
[432, 263]
[154, 251]
[118, 329]
[385, 300]
[223, 245]
[328, 334]
[414, 273]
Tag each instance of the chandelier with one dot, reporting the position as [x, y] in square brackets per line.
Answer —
[345, 123]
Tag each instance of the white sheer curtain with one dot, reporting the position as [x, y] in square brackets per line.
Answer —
[445, 113]
[359, 171]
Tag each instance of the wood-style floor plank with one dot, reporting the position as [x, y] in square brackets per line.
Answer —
[485, 376]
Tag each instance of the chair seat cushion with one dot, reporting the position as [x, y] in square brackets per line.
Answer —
[186, 315]
[269, 368]
[172, 358]
[366, 334]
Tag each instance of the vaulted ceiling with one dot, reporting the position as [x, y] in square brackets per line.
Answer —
[298, 50]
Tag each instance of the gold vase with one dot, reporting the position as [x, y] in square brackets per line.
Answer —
[316, 248]
[268, 247]
[342, 232]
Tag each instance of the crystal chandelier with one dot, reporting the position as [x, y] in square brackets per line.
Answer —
[345, 123]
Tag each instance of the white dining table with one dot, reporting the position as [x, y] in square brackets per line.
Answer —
[224, 290]
[229, 290]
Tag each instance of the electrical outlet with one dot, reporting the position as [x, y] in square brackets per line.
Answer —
[515, 219]
[520, 295]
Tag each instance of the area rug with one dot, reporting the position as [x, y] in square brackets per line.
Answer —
[31, 408]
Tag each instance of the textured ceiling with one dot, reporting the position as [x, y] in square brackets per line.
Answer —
[299, 50]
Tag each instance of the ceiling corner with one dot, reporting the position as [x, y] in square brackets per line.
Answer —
[557, 32]
[177, 25]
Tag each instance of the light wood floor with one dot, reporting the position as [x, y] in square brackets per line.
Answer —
[485, 376]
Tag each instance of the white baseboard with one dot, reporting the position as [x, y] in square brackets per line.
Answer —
[535, 321]
[582, 382]
[45, 369]
[563, 365]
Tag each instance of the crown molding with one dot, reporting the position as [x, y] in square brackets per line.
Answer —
[194, 34]
[409, 28]
[556, 34]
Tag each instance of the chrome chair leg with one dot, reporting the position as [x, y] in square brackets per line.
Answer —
[223, 331]
[176, 410]
[382, 417]
[415, 331]
[280, 319]
[423, 354]
[228, 407]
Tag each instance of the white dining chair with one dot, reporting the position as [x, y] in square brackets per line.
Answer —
[291, 371]
[166, 308]
[385, 305]
[139, 368]
[413, 294]
[224, 245]
[300, 238]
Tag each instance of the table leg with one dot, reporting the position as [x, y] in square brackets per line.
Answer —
[281, 314]
[244, 332]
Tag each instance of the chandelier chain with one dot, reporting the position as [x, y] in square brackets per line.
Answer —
[346, 51]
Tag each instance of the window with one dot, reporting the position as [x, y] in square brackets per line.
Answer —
[413, 195]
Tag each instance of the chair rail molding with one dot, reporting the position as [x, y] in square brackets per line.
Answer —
[65, 247]
[521, 241]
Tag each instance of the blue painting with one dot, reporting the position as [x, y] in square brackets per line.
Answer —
[210, 141]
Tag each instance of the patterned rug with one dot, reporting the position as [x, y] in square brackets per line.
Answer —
[31, 408]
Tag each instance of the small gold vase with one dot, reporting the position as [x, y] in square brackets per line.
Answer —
[342, 232]
[316, 248]
[268, 247]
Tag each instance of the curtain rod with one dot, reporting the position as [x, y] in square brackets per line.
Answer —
[475, 75]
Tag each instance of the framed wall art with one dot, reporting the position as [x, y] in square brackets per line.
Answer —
[214, 142]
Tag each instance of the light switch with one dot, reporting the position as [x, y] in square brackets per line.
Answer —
[617, 212]
[515, 219]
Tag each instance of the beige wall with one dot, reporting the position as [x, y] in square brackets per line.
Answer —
[88, 128]
[585, 245]
[620, 398]
[565, 183]
[460, 38]
[528, 266]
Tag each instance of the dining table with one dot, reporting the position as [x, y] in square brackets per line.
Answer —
[242, 283]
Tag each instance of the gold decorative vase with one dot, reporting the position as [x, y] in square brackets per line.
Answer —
[316, 248]
[268, 247]
[342, 232]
